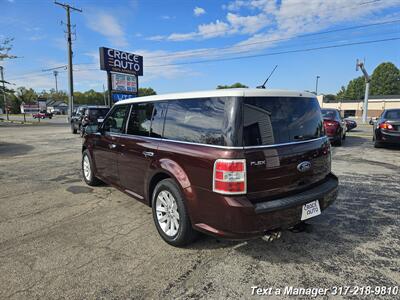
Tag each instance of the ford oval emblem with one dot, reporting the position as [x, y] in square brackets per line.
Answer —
[304, 166]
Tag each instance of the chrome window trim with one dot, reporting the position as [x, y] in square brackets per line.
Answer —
[285, 144]
[217, 146]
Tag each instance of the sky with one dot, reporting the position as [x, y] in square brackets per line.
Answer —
[192, 45]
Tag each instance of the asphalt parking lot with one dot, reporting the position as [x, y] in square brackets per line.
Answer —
[62, 239]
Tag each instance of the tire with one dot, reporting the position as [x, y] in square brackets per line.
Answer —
[339, 141]
[82, 132]
[87, 170]
[73, 129]
[344, 136]
[169, 210]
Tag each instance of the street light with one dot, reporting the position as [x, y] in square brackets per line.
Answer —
[316, 85]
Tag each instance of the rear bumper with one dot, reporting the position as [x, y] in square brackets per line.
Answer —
[333, 135]
[237, 218]
[388, 137]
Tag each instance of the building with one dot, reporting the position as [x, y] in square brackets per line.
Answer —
[354, 108]
[51, 106]
[56, 106]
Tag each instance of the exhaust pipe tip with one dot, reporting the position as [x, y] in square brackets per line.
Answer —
[272, 235]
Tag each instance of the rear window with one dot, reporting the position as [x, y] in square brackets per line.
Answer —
[330, 114]
[98, 112]
[201, 121]
[393, 114]
[277, 120]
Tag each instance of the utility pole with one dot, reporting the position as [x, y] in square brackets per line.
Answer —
[104, 95]
[55, 73]
[68, 8]
[360, 65]
[316, 85]
[4, 91]
[55, 77]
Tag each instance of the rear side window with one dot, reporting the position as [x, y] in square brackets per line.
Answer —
[157, 124]
[197, 120]
[140, 119]
[277, 120]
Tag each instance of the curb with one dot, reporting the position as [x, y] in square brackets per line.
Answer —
[22, 122]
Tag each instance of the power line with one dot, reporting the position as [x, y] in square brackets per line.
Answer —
[200, 51]
[241, 57]
[207, 51]
[276, 53]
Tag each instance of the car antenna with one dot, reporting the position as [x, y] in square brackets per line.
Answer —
[265, 82]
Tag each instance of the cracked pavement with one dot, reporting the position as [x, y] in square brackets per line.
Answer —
[60, 239]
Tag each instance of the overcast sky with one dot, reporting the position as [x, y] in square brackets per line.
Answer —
[196, 45]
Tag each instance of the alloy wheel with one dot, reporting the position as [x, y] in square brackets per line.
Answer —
[86, 168]
[167, 213]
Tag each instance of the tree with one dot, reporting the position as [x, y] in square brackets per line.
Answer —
[89, 97]
[385, 80]
[356, 89]
[341, 95]
[53, 95]
[233, 86]
[5, 47]
[329, 97]
[146, 92]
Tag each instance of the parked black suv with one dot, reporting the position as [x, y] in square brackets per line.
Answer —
[87, 115]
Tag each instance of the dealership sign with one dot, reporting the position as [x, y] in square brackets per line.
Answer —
[118, 97]
[124, 83]
[112, 60]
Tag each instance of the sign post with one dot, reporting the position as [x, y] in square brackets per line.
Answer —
[123, 69]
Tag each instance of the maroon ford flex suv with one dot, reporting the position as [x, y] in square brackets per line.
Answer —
[236, 163]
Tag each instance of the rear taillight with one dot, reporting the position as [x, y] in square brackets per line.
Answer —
[386, 126]
[331, 123]
[326, 150]
[229, 176]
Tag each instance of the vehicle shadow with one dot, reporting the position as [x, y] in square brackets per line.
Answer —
[11, 149]
[354, 141]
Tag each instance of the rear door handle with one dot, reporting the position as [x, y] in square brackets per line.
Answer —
[148, 154]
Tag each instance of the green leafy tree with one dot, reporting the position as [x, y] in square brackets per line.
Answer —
[5, 48]
[19, 96]
[356, 89]
[233, 86]
[89, 97]
[146, 92]
[53, 95]
[329, 97]
[341, 95]
[385, 80]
